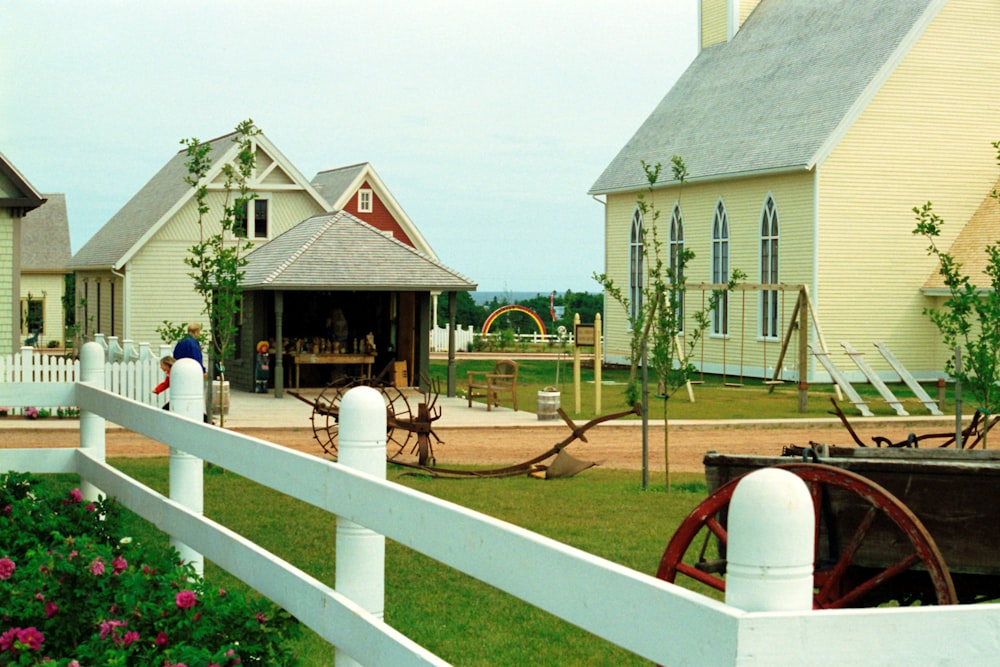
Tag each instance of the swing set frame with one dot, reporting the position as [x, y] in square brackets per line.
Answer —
[802, 315]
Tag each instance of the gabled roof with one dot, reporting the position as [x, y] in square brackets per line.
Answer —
[779, 95]
[969, 247]
[337, 251]
[338, 185]
[15, 191]
[45, 237]
[157, 202]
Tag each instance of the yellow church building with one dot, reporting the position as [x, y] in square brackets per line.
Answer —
[810, 130]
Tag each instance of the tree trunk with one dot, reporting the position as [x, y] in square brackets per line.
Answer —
[666, 444]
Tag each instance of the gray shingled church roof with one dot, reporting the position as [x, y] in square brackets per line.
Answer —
[45, 236]
[337, 251]
[146, 208]
[773, 96]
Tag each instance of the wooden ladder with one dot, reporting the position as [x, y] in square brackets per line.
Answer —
[859, 360]
[852, 395]
[909, 380]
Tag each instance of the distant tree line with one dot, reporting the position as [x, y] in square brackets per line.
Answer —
[468, 312]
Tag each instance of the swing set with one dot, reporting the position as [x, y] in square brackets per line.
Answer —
[798, 321]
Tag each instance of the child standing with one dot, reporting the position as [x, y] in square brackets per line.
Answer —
[262, 371]
[166, 363]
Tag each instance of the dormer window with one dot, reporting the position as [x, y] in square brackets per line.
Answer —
[364, 201]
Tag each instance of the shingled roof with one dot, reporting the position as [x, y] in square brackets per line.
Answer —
[338, 185]
[45, 237]
[779, 95]
[16, 193]
[115, 243]
[337, 251]
[969, 247]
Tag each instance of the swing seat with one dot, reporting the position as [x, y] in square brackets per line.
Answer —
[772, 382]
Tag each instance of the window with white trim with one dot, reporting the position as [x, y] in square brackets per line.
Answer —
[635, 265]
[261, 219]
[364, 200]
[720, 268]
[769, 323]
[677, 264]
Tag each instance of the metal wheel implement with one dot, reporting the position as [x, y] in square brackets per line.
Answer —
[326, 415]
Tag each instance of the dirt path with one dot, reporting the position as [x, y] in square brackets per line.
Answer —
[611, 446]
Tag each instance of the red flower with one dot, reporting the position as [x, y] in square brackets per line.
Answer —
[6, 568]
[161, 639]
[185, 600]
[50, 609]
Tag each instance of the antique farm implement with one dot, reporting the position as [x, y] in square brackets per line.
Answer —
[561, 465]
[406, 428]
[894, 525]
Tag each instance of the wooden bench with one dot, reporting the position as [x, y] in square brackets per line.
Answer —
[503, 380]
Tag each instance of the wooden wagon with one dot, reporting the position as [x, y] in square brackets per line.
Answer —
[900, 526]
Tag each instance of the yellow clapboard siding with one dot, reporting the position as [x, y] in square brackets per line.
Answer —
[925, 136]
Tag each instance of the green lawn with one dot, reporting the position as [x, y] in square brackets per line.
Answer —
[603, 512]
[713, 399]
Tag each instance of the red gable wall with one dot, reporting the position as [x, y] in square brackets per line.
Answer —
[380, 217]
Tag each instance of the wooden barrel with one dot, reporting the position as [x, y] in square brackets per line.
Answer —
[548, 404]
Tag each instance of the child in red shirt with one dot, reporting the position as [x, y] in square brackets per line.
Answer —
[166, 363]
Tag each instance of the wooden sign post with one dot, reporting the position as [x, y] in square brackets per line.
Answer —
[587, 335]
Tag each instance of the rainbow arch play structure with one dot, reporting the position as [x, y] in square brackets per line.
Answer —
[506, 309]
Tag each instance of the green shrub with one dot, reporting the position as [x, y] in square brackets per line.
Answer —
[74, 591]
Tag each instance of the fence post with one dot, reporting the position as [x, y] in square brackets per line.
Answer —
[92, 436]
[187, 483]
[360, 566]
[771, 543]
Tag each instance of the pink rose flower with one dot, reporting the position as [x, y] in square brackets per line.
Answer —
[97, 567]
[118, 565]
[7, 568]
[130, 637]
[161, 639]
[75, 495]
[185, 600]
[28, 637]
[50, 609]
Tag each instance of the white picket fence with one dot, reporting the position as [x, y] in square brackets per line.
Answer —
[466, 338]
[134, 378]
[651, 618]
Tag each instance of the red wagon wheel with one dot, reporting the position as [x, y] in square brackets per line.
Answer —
[326, 415]
[870, 548]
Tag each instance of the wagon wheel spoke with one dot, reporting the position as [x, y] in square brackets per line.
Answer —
[705, 525]
[873, 583]
[834, 577]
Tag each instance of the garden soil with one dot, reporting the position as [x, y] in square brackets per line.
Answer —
[610, 446]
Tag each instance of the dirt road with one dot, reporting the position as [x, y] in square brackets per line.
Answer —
[611, 446]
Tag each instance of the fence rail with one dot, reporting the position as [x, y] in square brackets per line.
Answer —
[654, 619]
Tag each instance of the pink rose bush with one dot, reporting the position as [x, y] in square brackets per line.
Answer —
[74, 592]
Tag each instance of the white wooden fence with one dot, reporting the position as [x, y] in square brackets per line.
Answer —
[656, 620]
[466, 338]
[134, 378]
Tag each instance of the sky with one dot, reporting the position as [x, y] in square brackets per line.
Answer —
[488, 121]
